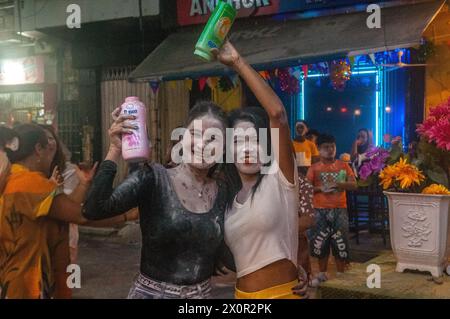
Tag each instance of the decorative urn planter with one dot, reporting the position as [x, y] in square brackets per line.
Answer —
[420, 231]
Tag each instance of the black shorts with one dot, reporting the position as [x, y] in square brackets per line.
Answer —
[329, 232]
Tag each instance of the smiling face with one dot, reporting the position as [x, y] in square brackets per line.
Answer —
[203, 140]
[246, 149]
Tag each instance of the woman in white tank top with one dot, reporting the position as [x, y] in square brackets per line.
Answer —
[261, 222]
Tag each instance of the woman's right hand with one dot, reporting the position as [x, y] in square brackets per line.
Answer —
[227, 55]
[56, 177]
[119, 127]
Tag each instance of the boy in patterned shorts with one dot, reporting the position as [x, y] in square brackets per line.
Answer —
[331, 179]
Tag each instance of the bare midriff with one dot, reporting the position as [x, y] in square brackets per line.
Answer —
[275, 274]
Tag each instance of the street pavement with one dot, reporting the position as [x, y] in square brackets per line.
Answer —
[109, 264]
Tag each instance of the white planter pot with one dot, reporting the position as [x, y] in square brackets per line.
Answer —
[420, 231]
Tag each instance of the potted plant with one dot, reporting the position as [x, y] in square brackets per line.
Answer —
[417, 190]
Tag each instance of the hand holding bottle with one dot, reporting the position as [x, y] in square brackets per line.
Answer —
[119, 126]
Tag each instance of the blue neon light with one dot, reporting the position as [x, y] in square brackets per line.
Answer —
[302, 103]
[377, 107]
[378, 98]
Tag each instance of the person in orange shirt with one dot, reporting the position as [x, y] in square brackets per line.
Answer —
[306, 151]
[8, 140]
[331, 178]
[28, 198]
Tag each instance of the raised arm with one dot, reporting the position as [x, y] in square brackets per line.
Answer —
[283, 150]
[102, 201]
[84, 179]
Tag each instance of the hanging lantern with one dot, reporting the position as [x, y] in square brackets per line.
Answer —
[283, 77]
[225, 84]
[340, 73]
[288, 83]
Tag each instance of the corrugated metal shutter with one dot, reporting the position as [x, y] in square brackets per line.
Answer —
[167, 109]
[114, 89]
[173, 107]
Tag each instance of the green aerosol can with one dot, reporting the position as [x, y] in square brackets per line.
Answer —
[215, 31]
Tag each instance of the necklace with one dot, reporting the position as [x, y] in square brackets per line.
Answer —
[187, 180]
[200, 192]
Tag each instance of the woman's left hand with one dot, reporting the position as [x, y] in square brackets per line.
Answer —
[86, 176]
[56, 177]
[227, 54]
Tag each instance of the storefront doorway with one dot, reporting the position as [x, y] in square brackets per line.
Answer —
[22, 107]
[342, 113]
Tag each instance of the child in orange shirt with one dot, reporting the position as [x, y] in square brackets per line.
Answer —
[330, 178]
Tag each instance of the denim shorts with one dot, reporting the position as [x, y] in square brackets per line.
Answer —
[329, 232]
[147, 288]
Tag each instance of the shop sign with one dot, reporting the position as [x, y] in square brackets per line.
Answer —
[29, 70]
[198, 11]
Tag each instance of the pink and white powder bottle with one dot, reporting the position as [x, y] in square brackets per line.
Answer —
[135, 146]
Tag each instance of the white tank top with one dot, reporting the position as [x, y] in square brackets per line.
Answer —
[264, 230]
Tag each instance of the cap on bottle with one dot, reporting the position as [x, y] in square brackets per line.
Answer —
[131, 99]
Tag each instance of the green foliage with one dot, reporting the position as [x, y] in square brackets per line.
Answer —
[396, 153]
[433, 161]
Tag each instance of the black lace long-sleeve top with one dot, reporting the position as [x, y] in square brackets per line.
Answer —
[178, 246]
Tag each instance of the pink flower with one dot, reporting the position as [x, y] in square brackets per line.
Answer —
[440, 134]
[436, 128]
[425, 128]
[442, 110]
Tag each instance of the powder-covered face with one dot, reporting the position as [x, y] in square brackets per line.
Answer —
[203, 139]
[327, 151]
[246, 149]
[301, 129]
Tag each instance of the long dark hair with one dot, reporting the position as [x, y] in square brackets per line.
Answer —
[202, 108]
[365, 147]
[258, 116]
[59, 159]
[29, 136]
